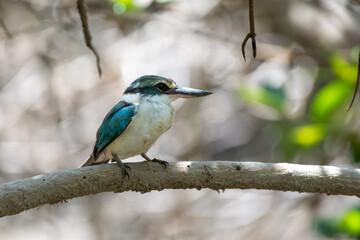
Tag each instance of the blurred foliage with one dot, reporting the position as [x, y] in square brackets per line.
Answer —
[121, 7]
[296, 95]
[328, 99]
[267, 95]
[325, 119]
[343, 70]
[345, 226]
[308, 135]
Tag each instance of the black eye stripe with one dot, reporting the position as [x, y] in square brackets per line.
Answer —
[154, 89]
[162, 87]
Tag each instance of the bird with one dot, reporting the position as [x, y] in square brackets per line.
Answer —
[134, 124]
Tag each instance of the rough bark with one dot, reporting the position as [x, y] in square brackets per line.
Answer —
[50, 188]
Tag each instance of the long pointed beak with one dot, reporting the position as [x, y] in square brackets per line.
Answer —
[184, 92]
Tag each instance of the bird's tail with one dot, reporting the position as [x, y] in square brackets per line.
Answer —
[89, 162]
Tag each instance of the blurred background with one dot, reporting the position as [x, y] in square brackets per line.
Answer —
[287, 105]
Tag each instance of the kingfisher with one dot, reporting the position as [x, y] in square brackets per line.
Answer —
[134, 124]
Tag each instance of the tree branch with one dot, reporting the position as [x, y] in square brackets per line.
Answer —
[59, 186]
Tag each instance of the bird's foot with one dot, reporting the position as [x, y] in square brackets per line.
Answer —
[162, 162]
[124, 170]
[123, 166]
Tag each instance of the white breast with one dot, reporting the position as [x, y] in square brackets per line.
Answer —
[154, 117]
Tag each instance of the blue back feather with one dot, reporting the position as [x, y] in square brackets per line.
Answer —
[115, 122]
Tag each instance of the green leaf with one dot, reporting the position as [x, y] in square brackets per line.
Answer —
[329, 98]
[266, 95]
[351, 222]
[327, 227]
[120, 7]
[308, 135]
[342, 69]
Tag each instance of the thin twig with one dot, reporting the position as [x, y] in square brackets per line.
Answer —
[252, 33]
[51, 188]
[357, 85]
[86, 31]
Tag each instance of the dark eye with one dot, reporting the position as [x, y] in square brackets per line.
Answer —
[162, 87]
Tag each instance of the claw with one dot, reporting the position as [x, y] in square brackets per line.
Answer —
[124, 171]
[122, 166]
[162, 162]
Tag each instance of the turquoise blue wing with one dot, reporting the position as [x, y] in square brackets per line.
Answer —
[114, 123]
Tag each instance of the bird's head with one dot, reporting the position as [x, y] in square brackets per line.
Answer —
[151, 86]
